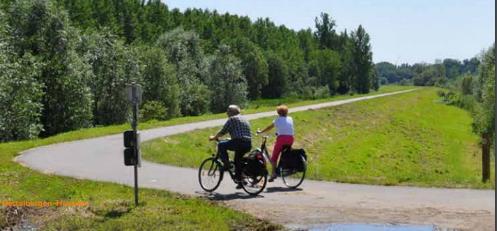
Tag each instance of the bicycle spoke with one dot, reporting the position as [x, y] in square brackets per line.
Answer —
[209, 175]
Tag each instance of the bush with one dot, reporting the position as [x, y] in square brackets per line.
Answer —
[315, 92]
[153, 110]
[405, 82]
[466, 102]
[321, 92]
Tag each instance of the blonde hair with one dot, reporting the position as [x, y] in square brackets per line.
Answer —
[282, 110]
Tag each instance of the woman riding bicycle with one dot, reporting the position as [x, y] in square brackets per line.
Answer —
[284, 132]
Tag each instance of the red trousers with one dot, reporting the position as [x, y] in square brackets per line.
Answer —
[278, 146]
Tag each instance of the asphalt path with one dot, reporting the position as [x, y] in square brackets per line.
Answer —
[316, 202]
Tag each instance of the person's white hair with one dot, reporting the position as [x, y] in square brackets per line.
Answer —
[233, 110]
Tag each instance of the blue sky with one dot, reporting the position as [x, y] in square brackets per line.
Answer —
[401, 30]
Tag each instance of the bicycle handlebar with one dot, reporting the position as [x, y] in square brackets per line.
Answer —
[259, 132]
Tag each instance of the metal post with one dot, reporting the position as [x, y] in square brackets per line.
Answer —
[485, 159]
[134, 124]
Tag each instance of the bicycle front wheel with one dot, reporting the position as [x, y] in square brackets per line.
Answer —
[254, 184]
[293, 178]
[210, 174]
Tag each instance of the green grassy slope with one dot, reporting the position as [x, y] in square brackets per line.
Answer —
[408, 139]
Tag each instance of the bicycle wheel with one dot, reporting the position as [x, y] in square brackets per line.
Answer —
[253, 184]
[210, 174]
[291, 177]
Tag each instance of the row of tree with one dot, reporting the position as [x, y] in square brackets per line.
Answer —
[64, 65]
[423, 74]
[476, 93]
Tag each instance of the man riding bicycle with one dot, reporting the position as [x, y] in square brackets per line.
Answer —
[241, 140]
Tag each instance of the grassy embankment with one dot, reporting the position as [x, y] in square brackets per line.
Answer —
[110, 206]
[407, 139]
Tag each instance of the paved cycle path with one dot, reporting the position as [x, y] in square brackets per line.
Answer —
[317, 202]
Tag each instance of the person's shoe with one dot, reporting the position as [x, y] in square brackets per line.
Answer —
[225, 167]
[271, 179]
[239, 183]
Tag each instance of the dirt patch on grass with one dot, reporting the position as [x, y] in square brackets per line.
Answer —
[24, 218]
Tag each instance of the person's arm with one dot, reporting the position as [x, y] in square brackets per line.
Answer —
[271, 126]
[223, 130]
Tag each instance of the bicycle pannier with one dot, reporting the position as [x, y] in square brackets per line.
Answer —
[293, 159]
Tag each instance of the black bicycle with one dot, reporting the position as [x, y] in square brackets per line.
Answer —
[292, 175]
[253, 177]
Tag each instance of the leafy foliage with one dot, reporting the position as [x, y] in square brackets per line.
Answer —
[485, 95]
[227, 82]
[20, 97]
[153, 110]
[38, 28]
[476, 93]
[184, 51]
[189, 63]
[423, 74]
[109, 60]
[159, 81]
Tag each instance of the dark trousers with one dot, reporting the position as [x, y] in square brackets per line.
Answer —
[239, 146]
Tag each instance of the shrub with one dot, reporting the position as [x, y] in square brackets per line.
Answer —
[153, 110]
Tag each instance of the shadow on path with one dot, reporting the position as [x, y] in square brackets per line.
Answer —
[226, 197]
[281, 189]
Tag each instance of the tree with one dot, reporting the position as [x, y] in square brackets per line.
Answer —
[80, 12]
[362, 57]
[470, 66]
[484, 115]
[39, 28]
[467, 85]
[159, 81]
[255, 67]
[328, 63]
[388, 71]
[184, 52]
[325, 32]
[375, 80]
[20, 96]
[452, 68]
[346, 73]
[306, 42]
[228, 84]
[430, 75]
[114, 66]
[278, 75]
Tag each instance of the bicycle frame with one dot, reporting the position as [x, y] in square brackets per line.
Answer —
[264, 149]
[218, 159]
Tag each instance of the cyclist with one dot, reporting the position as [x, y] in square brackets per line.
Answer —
[284, 133]
[241, 141]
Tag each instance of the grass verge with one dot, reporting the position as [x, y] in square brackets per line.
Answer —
[110, 205]
[407, 139]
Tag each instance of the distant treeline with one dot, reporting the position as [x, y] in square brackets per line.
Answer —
[423, 74]
[64, 64]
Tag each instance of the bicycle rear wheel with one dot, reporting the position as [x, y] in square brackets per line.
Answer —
[291, 177]
[210, 174]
